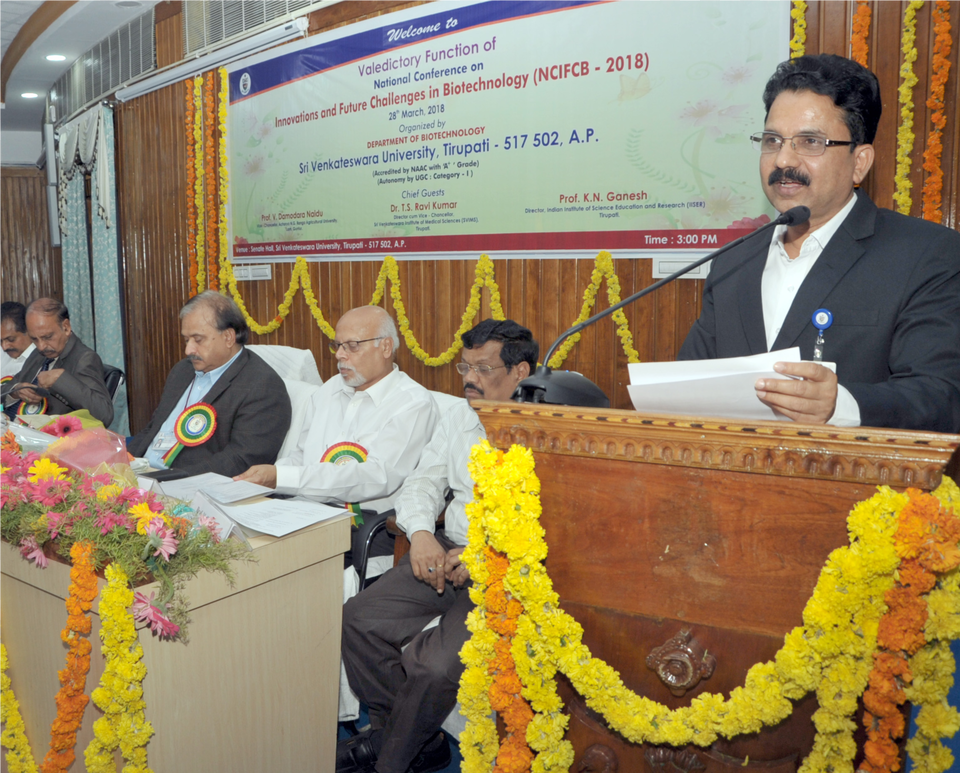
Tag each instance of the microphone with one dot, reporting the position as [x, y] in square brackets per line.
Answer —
[570, 388]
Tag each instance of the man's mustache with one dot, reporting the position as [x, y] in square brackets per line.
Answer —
[195, 358]
[787, 175]
[476, 389]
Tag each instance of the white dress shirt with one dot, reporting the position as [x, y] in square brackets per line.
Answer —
[10, 366]
[782, 277]
[392, 421]
[443, 465]
[165, 439]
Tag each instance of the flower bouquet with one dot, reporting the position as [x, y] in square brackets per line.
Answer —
[46, 508]
[101, 522]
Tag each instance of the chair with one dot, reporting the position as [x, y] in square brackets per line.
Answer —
[113, 377]
[301, 394]
[289, 362]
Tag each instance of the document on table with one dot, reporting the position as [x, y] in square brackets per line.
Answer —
[279, 517]
[723, 388]
[218, 487]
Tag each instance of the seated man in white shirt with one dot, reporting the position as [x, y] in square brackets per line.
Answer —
[17, 345]
[410, 693]
[245, 396]
[366, 427]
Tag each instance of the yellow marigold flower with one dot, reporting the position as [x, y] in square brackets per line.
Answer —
[144, 515]
[46, 469]
[944, 615]
[949, 494]
[108, 492]
[939, 720]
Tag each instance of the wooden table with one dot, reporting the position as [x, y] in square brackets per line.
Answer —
[255, 689]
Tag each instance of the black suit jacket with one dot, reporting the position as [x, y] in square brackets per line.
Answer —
[893, 285]
[79, 386]
[253, 416]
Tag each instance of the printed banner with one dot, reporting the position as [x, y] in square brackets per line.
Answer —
[505, 127]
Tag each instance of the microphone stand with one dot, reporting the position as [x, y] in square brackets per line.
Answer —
[571, 388]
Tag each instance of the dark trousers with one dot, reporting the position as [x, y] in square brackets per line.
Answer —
[408, 693]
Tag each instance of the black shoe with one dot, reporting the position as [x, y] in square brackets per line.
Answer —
[356, 754]
[434, 756]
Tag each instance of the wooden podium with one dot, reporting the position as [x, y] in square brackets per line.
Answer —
[254, 690]
[687, 548]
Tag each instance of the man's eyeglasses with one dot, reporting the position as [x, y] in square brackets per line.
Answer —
[803, 144]
[352, 346]
[481, 370]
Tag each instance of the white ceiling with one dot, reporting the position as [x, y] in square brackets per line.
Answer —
[79, 28]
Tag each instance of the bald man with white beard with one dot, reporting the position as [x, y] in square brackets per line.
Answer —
[371, 420]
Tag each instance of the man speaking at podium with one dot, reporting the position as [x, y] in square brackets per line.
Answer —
[891, 283]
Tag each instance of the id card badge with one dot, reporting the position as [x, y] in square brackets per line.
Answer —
[163, 442]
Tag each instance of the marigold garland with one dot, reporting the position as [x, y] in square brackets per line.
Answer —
[120, 694]
[199, 229]
[189, 117]
[502, 612]
[224, 98]
[71, 699]
[933, 185]
[832, 652]
[390, 271]
[14, 737]
[603, 269]
[211, 176]
[860, 32]
[905, 135]
[926, 541]
[798, 43]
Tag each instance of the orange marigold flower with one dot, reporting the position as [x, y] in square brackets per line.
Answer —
[914, 576]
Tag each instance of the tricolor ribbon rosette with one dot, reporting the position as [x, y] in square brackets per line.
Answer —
[32, 409]
[193, 427]
[347, 453]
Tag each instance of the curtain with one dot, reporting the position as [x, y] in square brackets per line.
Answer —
[76, 258]
[86, 145]
[106, 266]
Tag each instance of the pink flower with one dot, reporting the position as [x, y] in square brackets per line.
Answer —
[12, 495]
[108, 520]
[57, 522]
[50, 492]
[11, 460]
[750, 223]
[31, 551]
[91, 483]
[141, 604]
[144, 611]
[63, 426]
[136, 496]
[211, 525]
[162, 539]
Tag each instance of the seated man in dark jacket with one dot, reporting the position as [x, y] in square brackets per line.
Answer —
[62, 374]
[218, 383]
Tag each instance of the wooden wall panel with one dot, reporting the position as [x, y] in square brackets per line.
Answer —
[169, 33]
[545, 295]
[151, 179]
[30, 266]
